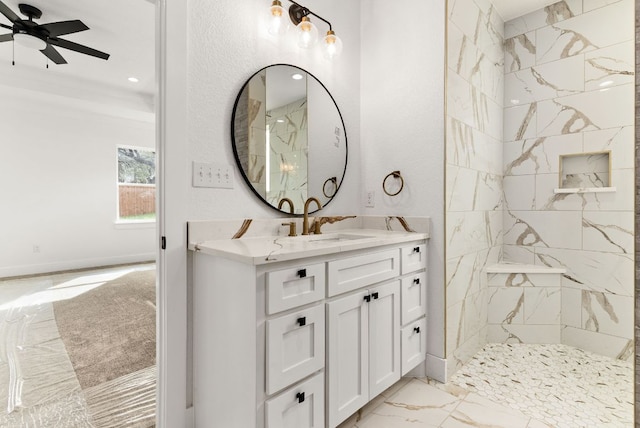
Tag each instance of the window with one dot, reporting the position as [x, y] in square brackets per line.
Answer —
[136, 184]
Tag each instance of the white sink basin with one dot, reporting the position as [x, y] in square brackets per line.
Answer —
[336, 237]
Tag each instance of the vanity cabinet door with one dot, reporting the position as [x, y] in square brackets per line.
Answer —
[414, 297]
[384, 337]
[414, 345]
[363, 348]
[299, 407]
[414, 257]
[348, 356]
[295, 347]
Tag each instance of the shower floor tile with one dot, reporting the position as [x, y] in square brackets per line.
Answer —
[556, 384]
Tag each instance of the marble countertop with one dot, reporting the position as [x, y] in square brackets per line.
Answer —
[263, 250]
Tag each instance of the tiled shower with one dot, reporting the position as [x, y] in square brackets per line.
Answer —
[540, 172]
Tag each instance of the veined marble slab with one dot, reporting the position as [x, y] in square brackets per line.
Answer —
[522, 268]
[582, 34]
[548, 15]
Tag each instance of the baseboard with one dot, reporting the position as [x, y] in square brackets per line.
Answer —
[190, 418]
[437, 368]
[66, 265]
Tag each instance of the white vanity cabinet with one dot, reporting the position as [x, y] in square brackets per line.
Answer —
[304, 342]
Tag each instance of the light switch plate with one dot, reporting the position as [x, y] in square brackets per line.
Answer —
[212, 175]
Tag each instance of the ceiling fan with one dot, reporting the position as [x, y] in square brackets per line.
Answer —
[44, 36]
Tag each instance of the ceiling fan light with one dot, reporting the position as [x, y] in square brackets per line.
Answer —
[29, 41]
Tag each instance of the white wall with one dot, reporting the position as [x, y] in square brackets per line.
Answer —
[402, 111]
[58, 171]
[228, 42]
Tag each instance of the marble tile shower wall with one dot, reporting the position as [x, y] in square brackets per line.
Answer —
[569, 88]
[474, 201]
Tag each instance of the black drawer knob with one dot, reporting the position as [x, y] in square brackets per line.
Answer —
[375, 295]
[302, 273]
[300, 397]
[416, 280]
[302, 321]
[416, 329]
[367, 298]
[416, 249]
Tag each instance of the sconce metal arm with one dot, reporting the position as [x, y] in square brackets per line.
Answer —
[299, 9]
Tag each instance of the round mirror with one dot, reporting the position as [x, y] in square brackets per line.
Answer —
[289, 138]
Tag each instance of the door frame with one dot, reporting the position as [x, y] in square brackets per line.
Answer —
[172, 174]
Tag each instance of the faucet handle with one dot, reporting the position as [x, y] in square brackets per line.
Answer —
[317, 223]
[292, 227]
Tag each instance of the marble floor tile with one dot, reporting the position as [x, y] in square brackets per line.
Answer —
[511, 386]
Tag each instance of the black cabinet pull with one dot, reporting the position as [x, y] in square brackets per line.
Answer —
[302, 321]
[416, 280]
[302, 273]
[375, 295]
[300, 397]
[416, 329]
[416, 249]
[367, 298]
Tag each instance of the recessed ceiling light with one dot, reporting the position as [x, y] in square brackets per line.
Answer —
[133, 79]
[296, 76]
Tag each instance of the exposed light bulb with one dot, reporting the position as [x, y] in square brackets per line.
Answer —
[297, 76]
[332, 45]
[277, 22]
[307, 33]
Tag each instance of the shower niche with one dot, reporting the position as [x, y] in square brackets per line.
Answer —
[585, 173]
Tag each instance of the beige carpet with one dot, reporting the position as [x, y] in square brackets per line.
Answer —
[110, 331]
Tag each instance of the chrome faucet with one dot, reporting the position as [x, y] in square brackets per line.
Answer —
[291, 224]
[305, 222]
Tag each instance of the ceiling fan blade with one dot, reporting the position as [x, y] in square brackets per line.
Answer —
[6, 37]
[78, 48]
[4, 9]
[53, 54]
[56, 29]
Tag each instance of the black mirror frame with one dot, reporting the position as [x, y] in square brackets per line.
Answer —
[235, 150]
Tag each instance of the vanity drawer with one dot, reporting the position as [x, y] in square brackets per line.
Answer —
[299, 407]
[414, 297]
[294, 347]
[356, 272]
[414, 345]
[290, 288]
[414, 257]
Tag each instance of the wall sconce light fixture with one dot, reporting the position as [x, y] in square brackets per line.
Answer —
[307, 32]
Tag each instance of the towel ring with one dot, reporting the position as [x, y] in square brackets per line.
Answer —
[394, 174]
[333, 180]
